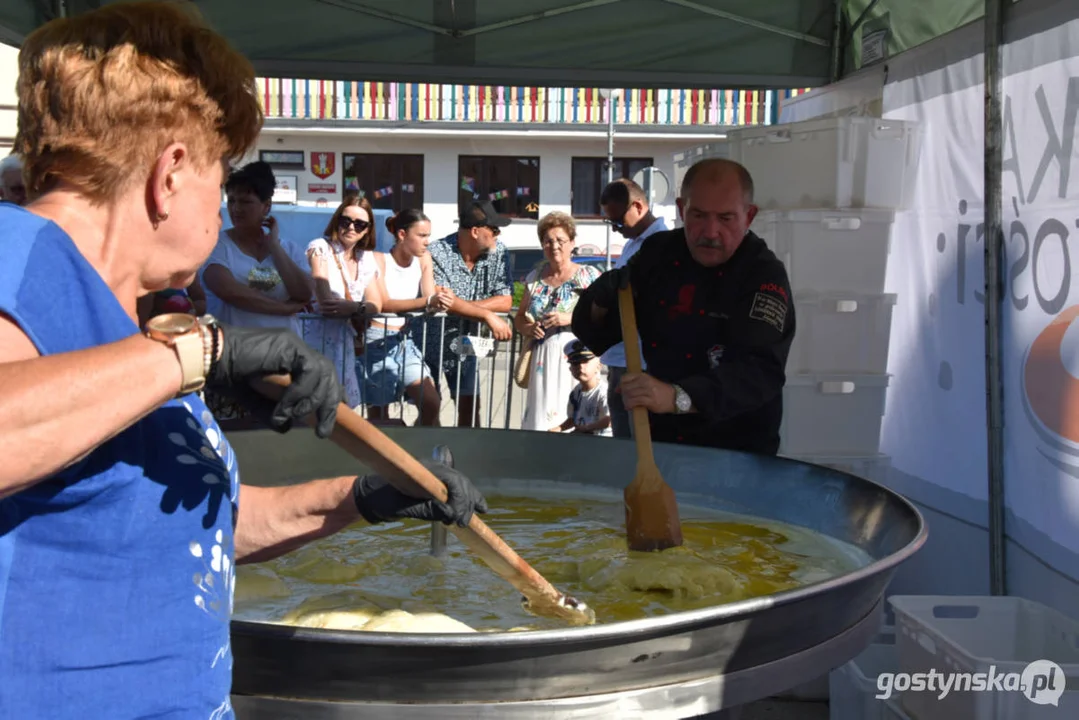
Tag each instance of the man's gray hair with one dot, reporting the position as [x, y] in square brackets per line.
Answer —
[714, 168]
[11, 162]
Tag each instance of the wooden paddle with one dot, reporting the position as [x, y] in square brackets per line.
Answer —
[371, 446]
[652, 521]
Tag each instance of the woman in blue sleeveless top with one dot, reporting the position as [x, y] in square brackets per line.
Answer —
[122, 516]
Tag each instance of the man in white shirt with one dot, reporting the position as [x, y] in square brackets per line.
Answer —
[625, 207]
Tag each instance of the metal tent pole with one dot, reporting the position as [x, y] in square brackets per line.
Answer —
[612, 101]
[994, 252]
[835, 69]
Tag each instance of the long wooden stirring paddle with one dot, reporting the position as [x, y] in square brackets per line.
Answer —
[652, 521]
[371, 446]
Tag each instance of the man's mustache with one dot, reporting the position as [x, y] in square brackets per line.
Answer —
[704, 242]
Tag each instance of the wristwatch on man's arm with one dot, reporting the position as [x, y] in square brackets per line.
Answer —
[683, 403]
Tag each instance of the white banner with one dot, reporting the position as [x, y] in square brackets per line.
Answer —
[935, 422]
[1041, 229]
[934, 425]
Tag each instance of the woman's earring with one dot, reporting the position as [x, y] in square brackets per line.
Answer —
[163, 216]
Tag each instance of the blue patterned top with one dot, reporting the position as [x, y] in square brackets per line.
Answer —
[116, 573]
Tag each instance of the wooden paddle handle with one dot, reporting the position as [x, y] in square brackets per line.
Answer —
[367, 443]
[642, 433]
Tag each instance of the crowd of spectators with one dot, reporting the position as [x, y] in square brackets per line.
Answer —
[401, 325]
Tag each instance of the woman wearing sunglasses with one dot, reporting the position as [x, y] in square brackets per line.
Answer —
[344, 268]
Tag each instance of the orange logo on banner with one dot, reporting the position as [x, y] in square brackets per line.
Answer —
[1053, 392]
[323, 163]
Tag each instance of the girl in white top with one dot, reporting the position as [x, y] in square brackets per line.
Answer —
[394, 365]
[345, 273]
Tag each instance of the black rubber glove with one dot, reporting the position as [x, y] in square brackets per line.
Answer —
[605, 288]
[378, 501]
[253, 353]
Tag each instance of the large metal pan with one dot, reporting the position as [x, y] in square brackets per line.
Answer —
[680, 665]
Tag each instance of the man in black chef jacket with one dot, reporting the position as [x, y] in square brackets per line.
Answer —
[715, 316]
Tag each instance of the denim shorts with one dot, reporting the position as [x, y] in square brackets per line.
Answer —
[391, 364]
[448, 361]
[451, 363]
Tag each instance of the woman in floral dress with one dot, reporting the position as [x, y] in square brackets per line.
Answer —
[545, 314]
[343, 266]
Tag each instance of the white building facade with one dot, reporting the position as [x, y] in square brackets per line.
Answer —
[528, 150]
[8, 73]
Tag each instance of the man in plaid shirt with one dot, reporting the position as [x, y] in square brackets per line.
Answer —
[472, 272]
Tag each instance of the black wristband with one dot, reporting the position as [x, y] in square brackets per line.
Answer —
[357, 498]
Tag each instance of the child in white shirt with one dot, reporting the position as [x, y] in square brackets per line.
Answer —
[587, 412]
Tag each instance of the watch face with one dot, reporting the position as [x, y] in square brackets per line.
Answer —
[173, 323]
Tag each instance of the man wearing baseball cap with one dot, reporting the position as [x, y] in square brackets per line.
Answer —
[472, 274]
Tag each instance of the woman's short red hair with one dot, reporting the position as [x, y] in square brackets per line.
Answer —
[103, 93]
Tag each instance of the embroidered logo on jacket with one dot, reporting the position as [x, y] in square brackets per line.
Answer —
[684, 306]
[715, 354]
[769, 309]
[777, 289]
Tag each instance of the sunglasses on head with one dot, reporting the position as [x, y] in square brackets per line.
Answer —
[346, 222]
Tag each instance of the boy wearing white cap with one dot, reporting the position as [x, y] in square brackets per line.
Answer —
[588, 412]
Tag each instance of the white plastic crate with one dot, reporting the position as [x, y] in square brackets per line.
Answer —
[871, 467]
[961, 634]
[839, 162]
[852, 688]
[832, 414]
[841, 333]
[830, 250]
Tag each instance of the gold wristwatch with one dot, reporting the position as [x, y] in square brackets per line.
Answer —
[192, 340]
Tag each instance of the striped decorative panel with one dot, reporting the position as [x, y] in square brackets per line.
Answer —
[421, 102]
